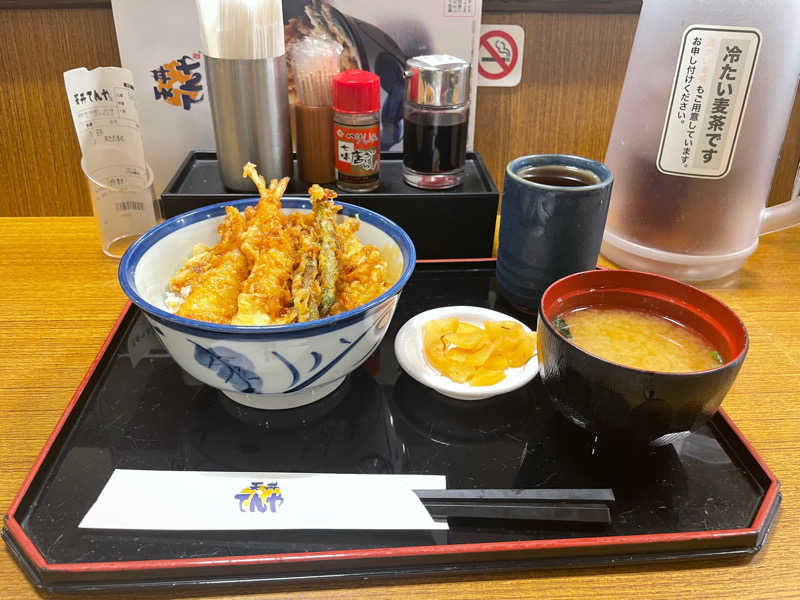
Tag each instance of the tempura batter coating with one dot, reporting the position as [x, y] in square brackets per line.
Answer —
[270, 268]
[324, 214]
[214, 277]
[204, 258]
[266, 298]
[214, 297]
[362, 274]
[306, 290]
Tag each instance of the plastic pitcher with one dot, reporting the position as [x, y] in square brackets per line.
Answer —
[692, 205]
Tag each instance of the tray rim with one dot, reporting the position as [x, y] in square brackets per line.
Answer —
[751, 537]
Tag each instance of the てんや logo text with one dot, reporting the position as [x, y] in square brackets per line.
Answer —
[259, 497]
[177, 83]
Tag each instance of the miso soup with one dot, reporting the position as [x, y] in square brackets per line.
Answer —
[643, 340]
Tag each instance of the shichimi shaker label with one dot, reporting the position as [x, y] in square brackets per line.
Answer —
[357, 152]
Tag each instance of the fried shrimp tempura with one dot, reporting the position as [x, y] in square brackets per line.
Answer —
[214, 297]
[214, 276]
[266, 298]
[270, 268]
[204, 258]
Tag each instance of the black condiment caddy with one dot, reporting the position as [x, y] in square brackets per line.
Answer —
[444, 224]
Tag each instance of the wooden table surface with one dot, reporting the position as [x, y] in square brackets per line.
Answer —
[59, 297]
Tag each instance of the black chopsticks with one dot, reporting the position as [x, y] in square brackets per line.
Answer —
[574, 505]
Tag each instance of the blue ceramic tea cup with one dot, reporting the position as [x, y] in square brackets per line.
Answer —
[551, 223]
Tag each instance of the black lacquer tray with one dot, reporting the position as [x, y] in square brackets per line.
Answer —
[431, 217]
[707, 494]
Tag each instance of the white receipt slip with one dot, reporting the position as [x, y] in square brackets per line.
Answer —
[207, 500]
[103, 106]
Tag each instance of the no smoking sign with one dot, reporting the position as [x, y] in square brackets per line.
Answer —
[500, 55]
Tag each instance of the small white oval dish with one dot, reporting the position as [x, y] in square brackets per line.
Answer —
[408, 347]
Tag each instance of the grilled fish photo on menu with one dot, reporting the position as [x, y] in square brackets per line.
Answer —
[365, 46]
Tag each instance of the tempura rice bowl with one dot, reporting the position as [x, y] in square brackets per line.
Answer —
[268, 367]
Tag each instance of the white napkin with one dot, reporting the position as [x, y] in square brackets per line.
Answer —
[204, 501]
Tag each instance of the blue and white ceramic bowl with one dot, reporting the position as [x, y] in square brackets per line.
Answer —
[269, 367]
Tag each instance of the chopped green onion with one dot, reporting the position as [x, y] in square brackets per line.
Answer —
[562, 327]
[716, 356]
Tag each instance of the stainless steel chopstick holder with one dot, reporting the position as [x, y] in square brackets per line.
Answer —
[250, 108]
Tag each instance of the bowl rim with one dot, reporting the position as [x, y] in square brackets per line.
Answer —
[734, 360]
[127, 267]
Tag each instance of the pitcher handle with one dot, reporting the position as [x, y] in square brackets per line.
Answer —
[782, 215]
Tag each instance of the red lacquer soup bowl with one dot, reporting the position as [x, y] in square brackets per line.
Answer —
[628, 404]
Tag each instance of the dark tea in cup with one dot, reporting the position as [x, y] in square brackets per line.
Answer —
[559, 176]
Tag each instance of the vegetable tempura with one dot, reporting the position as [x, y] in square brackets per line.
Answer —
[272, 268]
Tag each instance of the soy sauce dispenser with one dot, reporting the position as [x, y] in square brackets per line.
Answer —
[436, 112]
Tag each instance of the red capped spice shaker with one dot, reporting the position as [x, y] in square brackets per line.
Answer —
[356, 130]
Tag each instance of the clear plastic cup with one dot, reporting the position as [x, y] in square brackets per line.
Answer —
[124, 204]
